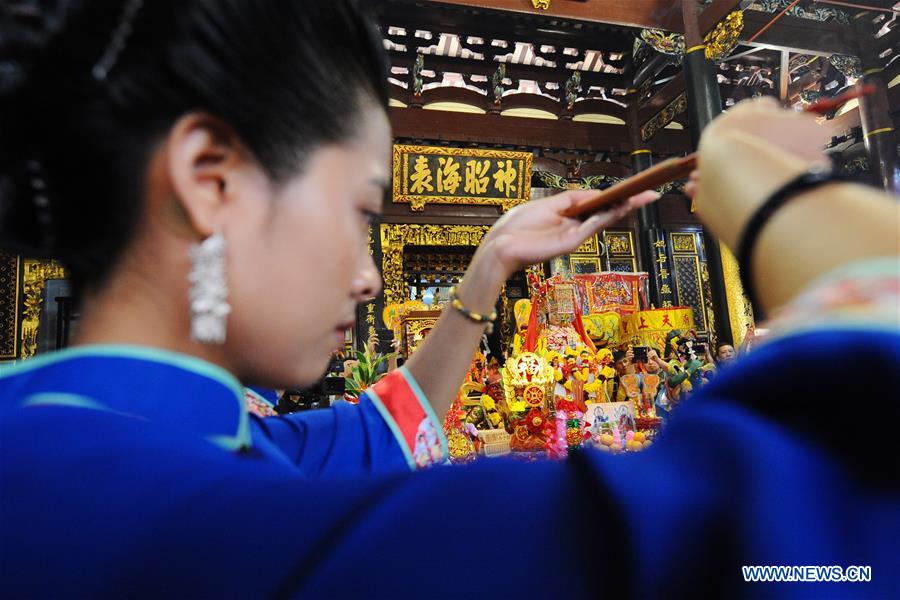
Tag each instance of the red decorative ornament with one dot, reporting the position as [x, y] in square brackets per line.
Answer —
[534, 421]
[533, 395]
[565, 405]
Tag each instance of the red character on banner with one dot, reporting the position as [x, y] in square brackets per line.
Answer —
[644, 324]
[666, 320]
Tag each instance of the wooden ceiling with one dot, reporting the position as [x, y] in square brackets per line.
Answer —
[463, 44]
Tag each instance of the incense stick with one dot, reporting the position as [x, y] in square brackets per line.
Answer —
[678, 168]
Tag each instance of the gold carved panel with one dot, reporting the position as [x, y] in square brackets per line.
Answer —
[589, 246]
[416, 326]
[36, 273]
[684, 242]
[436, 175]
[723, 39]
[619, 242]
[664, 117]
[394, 237]
[9, 305]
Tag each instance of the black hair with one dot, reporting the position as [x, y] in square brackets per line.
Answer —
[285, 75]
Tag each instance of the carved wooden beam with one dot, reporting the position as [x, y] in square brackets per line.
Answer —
[452, 64]
[800, 35]
[443, 126]
[715, 12]
[790, 33]
[662, 98]
[660, 14]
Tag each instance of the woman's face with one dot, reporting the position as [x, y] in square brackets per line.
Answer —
[298, 261]
[726, 353]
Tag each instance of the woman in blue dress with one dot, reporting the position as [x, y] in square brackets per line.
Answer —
[180, 157]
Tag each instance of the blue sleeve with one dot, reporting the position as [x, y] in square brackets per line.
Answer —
[392, 429]
[345, 439]
[776, 462]
[746, 474]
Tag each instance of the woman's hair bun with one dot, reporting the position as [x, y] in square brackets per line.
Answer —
[88, 88]
[28, 32]
[27, 28]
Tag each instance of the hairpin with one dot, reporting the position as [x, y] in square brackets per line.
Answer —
[117, 44]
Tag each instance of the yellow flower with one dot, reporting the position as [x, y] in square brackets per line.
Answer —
[495, 418]
[608, 372]
[487, 402]
[517, 406]
[593, 386]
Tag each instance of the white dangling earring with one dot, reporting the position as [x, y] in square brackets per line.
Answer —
[208, 294]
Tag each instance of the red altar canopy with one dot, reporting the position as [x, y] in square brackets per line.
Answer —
[624, 293]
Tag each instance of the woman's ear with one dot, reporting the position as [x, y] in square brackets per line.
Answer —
[204, 156]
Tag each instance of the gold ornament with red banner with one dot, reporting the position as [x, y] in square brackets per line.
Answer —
[528, 384]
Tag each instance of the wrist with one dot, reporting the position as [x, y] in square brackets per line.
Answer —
[482, 282]
[796, 190]
[729, 196]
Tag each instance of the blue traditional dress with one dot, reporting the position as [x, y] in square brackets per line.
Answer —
[127, 472]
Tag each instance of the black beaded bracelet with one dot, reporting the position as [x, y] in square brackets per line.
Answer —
[802, 183]
[486, 320]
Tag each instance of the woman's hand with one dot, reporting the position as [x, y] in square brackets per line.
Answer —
[652, 355]
[750, 152]
[745, 155]
[535, 232]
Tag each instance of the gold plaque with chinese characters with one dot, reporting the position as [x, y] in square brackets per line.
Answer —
[431, 174]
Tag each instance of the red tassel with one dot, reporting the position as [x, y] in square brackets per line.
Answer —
[531, 338]
[578, 324]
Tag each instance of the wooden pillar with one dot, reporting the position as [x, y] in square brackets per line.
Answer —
[784, 78]
[874, 111]
[651, 236]
[704, 104]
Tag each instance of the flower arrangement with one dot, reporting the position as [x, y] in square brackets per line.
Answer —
[364, 373]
